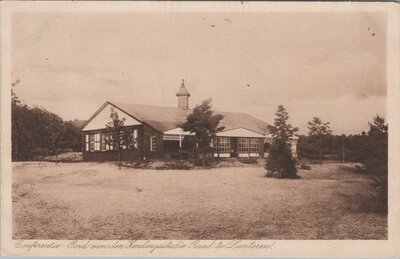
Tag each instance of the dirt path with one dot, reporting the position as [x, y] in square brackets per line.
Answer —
[98, 201]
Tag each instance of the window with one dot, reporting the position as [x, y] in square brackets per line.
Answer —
[153, 142]
[109, 145]
[91, 142]
[135, 138]
[97, 141]
[243, 145]
[248, 145]
[87, 142]
[224, 145]
[254, 147]
[103, 141]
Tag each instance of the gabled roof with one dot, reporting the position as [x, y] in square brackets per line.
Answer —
[167, 118]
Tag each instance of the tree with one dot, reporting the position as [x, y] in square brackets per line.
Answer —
[204, 123]
[36, 131]
[72, 136]
[280, 162]
[54, 132]
[118, 136]
[375, 160]
[317, 130]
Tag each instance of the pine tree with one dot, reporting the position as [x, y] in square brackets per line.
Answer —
[204, 123]
[280, 162]
[375, 159]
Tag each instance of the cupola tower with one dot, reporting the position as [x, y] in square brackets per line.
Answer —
[183, 97]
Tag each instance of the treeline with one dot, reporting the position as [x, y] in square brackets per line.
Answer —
[369, 148]
[38, 132]
[349, 148]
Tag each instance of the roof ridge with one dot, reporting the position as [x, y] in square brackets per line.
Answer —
[148, 105]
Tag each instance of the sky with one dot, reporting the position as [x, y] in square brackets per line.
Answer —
[331, 65]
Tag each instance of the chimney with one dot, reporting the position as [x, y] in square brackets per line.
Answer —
[183, 97]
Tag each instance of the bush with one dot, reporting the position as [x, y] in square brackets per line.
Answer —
[280, 163]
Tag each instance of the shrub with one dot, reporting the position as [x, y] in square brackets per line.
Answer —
[280, 163]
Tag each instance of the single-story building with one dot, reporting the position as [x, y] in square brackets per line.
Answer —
[156, 133]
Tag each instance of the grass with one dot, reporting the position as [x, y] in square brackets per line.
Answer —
[98, 201]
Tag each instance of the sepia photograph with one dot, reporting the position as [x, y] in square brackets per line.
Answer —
[197, 125]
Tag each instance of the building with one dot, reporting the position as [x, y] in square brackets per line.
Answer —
[156, 133]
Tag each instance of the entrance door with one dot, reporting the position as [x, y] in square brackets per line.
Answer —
[233, 147]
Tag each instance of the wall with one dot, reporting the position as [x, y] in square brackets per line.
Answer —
[148, 132]
[110, 155]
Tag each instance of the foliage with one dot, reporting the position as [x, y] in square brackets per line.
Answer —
[280, 162]
[72, 137]
[36, 131]
[118, 136]
[317, 130]
[281, 129]
[204, 123]
[333, 147]
[375, 161]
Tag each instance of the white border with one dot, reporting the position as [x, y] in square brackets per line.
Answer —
[327, 248]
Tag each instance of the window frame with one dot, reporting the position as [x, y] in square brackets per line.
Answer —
[135, 134]
[153, 143]
[224, 145]
[87, 145]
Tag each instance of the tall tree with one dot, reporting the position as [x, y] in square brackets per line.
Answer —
[317, 130]
[281, 129]
[205, 124]
[280, 162]
[72, 137]
[118, 136]
[375, 159]
[54, 132]
[36, 131]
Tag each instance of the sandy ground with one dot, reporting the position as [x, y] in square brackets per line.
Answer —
[98, 201]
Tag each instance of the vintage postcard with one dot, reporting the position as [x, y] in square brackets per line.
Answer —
[200, 129]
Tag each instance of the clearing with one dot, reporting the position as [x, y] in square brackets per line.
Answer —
[98, 201]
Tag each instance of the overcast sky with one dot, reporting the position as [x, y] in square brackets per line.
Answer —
[330, 65]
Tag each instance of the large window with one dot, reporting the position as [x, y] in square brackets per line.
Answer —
[91, 142]
[98, 142]
[243, 145]
[87, 142]
[103, 141]
[248, 145]
[107, 143]
[135, 138]
[254, 146]
[224, 145]
[153, 143]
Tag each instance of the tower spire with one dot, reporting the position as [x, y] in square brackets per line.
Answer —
[183, 97]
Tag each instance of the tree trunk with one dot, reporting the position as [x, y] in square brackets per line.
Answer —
[343, 150]
[119, 158]
[56, 157]
[320, 150]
